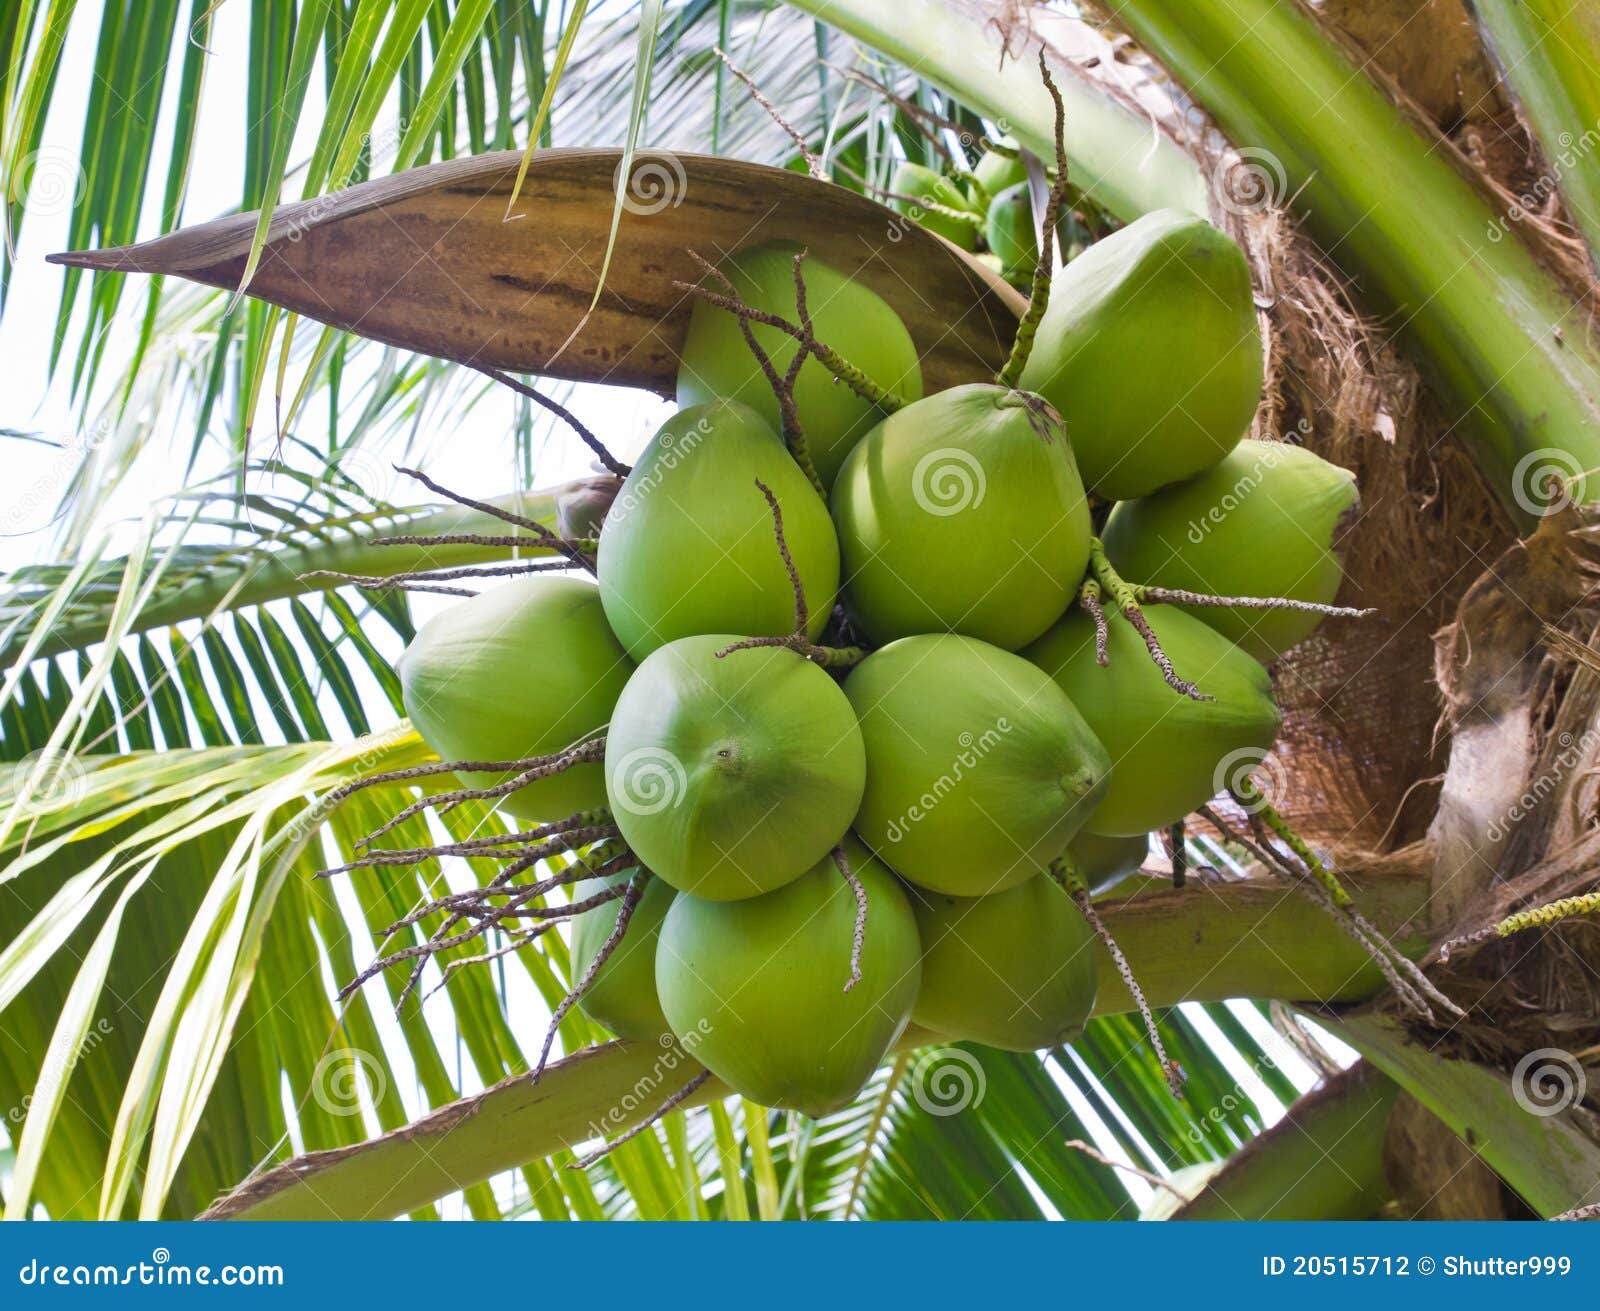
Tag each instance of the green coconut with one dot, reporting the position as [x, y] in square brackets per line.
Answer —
[1167, 750]
[1268, 521]
[754, 989]
[622, 995]
[1151, 351]
[688, 544]
[962, 513]
[1008, 228]
[1102, 863]
[1014, 969]
[996, 172]
[730, 777]
[913, 183]
[524, 669]
[978, 768]
[716, 361]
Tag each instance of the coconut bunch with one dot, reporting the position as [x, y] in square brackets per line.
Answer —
[872, 688]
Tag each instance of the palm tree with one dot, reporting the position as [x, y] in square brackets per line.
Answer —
[181, 695]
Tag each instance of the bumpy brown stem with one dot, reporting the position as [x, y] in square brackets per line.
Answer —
[630, 901]
[430, 580]
[660, 1113]
[509, 846]
[542, 535]
[1065, 872]
[813, 164]
[794, 435]
[1179, 596]
[1044, 269]
[561, 412]
[1589, 1212]
[830, 657]
[859, 937]
[825, 355]
[1089, 599]
[527, 771]
[1122, 595]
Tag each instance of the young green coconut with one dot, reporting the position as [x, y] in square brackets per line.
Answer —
[621, 995]
[1012, 969]
[687, 544]
[732, 774]
[1008, 228]
[1268, 521]
[996, 170]
[936, 203]
[1166, 748]
[757, 989]
[978, 769]
[524, 669]
[1104, 862]
[1151, 351]
[716, 361]
[963, 512]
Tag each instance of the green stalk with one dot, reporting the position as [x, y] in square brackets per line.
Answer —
[1117, 157]
[1549, 55]
[1504, 344]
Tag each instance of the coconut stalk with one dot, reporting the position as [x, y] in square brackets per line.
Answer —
[1548, 53]
[1504, 344]
[1117, 155]
[1199, 943]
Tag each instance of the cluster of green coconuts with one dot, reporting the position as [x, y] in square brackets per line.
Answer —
[987, 212]
[979, 740]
